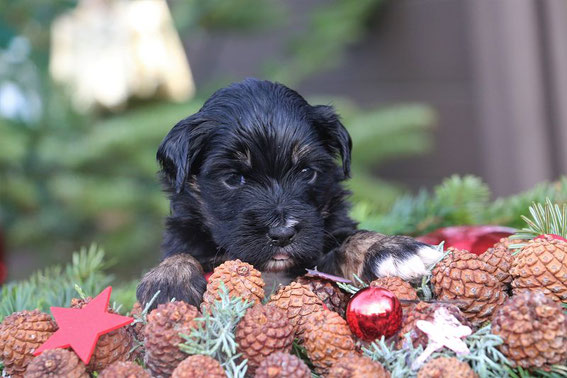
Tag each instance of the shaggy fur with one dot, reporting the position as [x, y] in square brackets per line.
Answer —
[253, 176]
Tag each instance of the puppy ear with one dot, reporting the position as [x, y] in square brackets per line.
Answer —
[333, 133]
[180, 148]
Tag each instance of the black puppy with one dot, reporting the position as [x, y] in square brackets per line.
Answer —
[253, 176]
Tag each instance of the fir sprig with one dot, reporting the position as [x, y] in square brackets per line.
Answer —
[457, 201]
[350, 288]
[547, 218]
[214, 336]
[485, 358]
[397, 361]
[555, 371]
[55, 286]
[301, 352]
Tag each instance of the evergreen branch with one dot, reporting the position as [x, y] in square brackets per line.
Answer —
[547, 218]
[55, 286]
[214, 335]
[301, 352]
[556, 371]
[350, 288]
[397, 361]
[485, 358]
[459, 200]
[80, 291]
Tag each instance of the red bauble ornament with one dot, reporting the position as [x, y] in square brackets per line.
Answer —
[475, 239]
[374, 312]
[553, 236]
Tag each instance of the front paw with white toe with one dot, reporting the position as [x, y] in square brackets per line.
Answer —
[370, 255]
[400, 256]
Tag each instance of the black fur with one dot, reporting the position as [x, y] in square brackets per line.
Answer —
[254, 159]
[264, 121]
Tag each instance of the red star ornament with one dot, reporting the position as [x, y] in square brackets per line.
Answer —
[81, 328]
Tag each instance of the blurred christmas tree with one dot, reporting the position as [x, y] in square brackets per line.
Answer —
[69, 178]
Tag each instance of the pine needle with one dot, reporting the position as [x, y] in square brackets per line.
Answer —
[56, 286]
[484, 358]
[214, 336]
[350, 288]
[547, 218]
[397, 361]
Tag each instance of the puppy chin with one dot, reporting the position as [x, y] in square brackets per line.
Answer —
[278, 265]
[281, 260]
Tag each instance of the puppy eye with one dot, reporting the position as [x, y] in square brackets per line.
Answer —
[309, 175]
[233, 180]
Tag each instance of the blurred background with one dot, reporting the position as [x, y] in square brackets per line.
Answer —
[427, 89]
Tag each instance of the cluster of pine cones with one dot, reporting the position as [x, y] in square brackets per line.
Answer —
[520, 295]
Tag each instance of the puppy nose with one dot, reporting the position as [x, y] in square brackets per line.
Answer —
[281, 235]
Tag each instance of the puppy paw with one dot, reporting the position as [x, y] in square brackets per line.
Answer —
[178, 277]
[399, 256]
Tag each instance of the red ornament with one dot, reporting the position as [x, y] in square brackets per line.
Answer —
[553, 236]
[374, 312]
[475, 239]
[81, 328]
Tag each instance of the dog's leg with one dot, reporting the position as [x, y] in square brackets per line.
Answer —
[178, 276]
[370, 255]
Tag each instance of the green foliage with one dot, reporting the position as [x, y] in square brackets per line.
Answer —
[55, 286]
[214, 336]
[230, 16]
[332, 28]
[546, 218]
[379, 135]
[457, 201]
[300, 351]
[556, 371]
[485, 358]
[396, 361]
[94, 182]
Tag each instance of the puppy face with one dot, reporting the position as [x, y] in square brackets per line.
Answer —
[257, 167]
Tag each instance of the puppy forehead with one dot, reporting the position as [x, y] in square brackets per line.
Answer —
[261, 123]
[272, 144]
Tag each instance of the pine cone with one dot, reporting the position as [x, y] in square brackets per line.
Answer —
[534, 330]
[355, 366]
[282, 365]
[499, 262]
[199, 366]
[161, 336]
[241, 280]
[327, 339]
[465, 279]
[137, 327]
[124, 369]
[542, 265]
[20, 335]
[56, 363]
[298, 302]
[401, 289]
[262, 331]
[424, 311]
[328, 292]
[505, 243]
[452, 253]
[136, 330]
[110, 347]
[446, 367]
